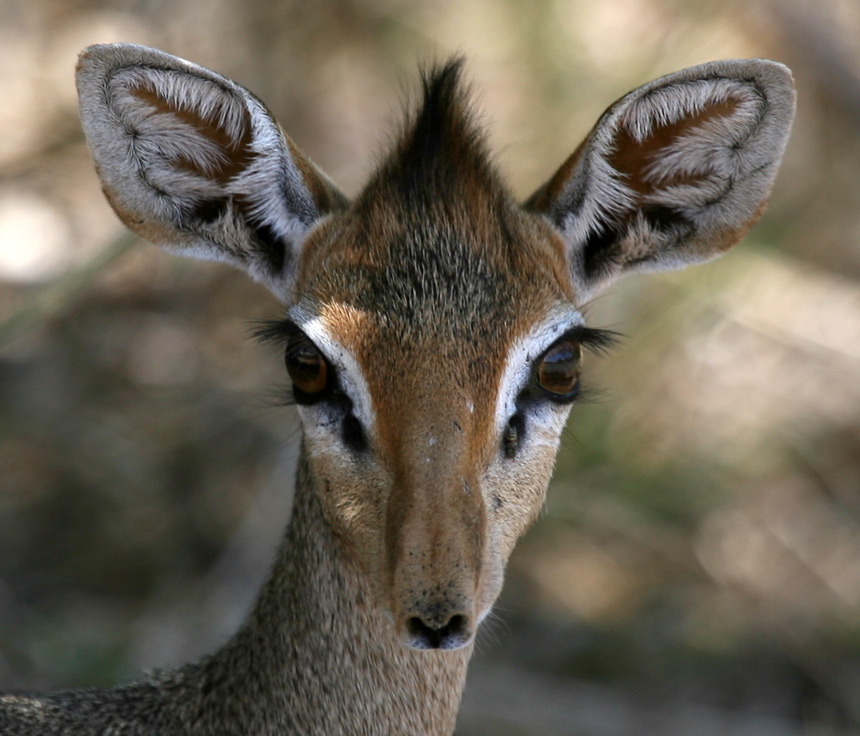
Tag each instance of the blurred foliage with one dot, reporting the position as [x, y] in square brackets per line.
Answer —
[697, 569]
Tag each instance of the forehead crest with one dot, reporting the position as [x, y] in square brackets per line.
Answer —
[441, 152]
[435, 246]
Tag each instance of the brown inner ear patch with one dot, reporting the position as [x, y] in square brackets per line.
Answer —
[237, 151]
[632, 158]
[237, 155]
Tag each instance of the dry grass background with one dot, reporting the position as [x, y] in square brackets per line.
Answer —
[697, 570]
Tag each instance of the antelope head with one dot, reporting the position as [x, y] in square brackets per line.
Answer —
[433, 330]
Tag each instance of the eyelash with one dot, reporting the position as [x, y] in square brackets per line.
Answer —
[598, 341]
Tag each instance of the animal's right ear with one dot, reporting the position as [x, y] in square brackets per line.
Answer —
[673, 173]
[195, 163]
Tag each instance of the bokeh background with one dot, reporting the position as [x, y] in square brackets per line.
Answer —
[697, 569]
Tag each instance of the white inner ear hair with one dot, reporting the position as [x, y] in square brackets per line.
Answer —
[163, 140]
[710, 155]
[178, 158]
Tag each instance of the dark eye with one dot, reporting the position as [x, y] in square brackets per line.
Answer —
[559, 369]
[306, 365]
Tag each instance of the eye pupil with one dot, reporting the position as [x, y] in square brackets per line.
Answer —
[559, 369]
[307, 368]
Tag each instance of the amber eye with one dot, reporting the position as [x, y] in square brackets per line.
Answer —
[559, 368]
[307, 367]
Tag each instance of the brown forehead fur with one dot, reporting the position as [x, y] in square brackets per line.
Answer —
[434, 270]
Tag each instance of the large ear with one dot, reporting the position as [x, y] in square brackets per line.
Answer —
[673, 173]
[196, 164]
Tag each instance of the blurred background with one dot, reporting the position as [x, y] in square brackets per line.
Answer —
[697, 569]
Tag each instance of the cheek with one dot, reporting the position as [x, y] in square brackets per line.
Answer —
[517, 496]
[516, 493]
[516, 488]
[352, 492]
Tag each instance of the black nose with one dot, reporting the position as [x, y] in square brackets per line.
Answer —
[452, 634]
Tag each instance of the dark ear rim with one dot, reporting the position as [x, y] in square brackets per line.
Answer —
[280, 192]
[582, 199]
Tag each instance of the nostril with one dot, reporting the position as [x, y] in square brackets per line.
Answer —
[451, 635]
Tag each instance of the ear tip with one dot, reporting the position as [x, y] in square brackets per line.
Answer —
[775, 68]
[774, 72]
[89, 69]
[741, 65]
[98, 58]
[102, 57]
[773, 75]
[105, 51]
[87, 59]
[777, 84]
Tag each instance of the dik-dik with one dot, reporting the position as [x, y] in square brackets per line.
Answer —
[434, 336]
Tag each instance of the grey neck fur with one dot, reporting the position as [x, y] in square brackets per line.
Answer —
[316, 656]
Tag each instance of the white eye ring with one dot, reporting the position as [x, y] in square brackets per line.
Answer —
[349, 372]
[519, 363]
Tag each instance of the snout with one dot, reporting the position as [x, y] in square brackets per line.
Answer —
[436, 541]
[434, 594]
[435, 534]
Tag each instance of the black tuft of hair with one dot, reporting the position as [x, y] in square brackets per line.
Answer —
[443, 121]
[442, 145]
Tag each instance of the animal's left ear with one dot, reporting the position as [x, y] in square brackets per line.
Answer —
[673, 173]
[194, 163]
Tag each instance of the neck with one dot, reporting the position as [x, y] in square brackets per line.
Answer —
[317, 655]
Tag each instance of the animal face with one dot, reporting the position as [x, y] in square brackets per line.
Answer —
[451, 358]
[433, 331]
[436, 350]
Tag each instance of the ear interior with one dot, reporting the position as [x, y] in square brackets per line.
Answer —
[639, 161]
[643, 167]
[674, 173]
[207, 148]
[188, 143]
[230, 150]
[196, 164]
